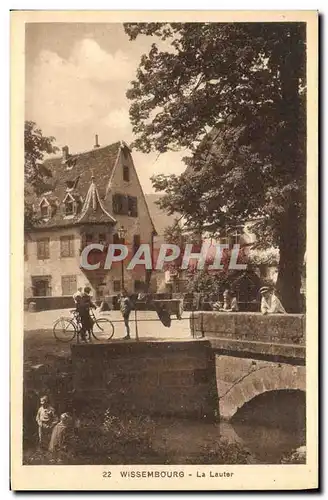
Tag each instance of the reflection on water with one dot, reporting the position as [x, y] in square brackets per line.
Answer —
[267, 445]
[269, 426]
[272, 424]
[185, 438]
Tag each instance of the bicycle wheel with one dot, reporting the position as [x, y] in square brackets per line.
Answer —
[64, 329]
[103, 329]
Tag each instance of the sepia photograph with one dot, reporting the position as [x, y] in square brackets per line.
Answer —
[166, 248]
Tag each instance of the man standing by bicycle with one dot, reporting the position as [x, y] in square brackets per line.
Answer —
[126, 307]
[83, 306]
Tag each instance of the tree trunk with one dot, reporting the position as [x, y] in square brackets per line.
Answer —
[289, 280]
[292, 250]
[292, 240]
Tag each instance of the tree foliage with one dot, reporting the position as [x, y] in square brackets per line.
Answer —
[233, 94]
[36, 146]
[208, 284]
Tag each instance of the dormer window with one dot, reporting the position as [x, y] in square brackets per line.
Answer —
[69, 205]
[44, 209]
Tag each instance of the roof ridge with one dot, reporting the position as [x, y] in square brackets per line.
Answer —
[58, 157]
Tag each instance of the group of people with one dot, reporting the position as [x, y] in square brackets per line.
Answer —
[83, 303]
[54, 433]
[270, 303]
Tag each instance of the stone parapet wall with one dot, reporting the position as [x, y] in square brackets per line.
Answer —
[50, 303]
[276, 334]
[289, 328]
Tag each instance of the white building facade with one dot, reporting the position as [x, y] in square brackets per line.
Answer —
[92, 197]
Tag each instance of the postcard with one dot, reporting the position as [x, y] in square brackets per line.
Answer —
[164, 291]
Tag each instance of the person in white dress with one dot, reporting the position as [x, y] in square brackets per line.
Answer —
[77, 295]
[270, 304]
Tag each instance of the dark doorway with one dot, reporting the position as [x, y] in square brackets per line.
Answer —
[41, 286]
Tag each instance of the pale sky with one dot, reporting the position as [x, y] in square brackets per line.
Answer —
[76, 79]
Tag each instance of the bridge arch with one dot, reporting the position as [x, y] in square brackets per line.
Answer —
[277, 377]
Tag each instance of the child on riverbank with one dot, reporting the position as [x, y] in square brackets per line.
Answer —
[46, 419]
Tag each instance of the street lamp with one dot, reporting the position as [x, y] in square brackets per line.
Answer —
[121, 234]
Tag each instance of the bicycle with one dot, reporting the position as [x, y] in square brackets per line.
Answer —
[66, 329]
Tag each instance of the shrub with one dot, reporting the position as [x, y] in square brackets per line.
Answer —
[106, 437]
[221, 452]
[295, 457]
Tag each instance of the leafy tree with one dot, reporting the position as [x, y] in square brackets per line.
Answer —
[208, 284]
[36, 146]
[177, 235]
[205, 281]
[233, 94]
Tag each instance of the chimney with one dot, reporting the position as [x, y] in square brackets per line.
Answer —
[65, 154]
[96, 142]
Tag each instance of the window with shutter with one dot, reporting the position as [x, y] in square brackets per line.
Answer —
[132, 206]
[120, 204]
[67, 246]
[117, 204]
[43, 248]
[68, 284]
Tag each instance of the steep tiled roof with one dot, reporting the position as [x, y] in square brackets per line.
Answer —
[160, 218]
[74, 176]
[93, 208]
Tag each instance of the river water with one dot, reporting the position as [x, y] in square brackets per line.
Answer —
[265, 444]
[269, 427]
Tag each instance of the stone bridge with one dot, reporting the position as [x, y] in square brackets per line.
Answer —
[254, 355]
[232, 363]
